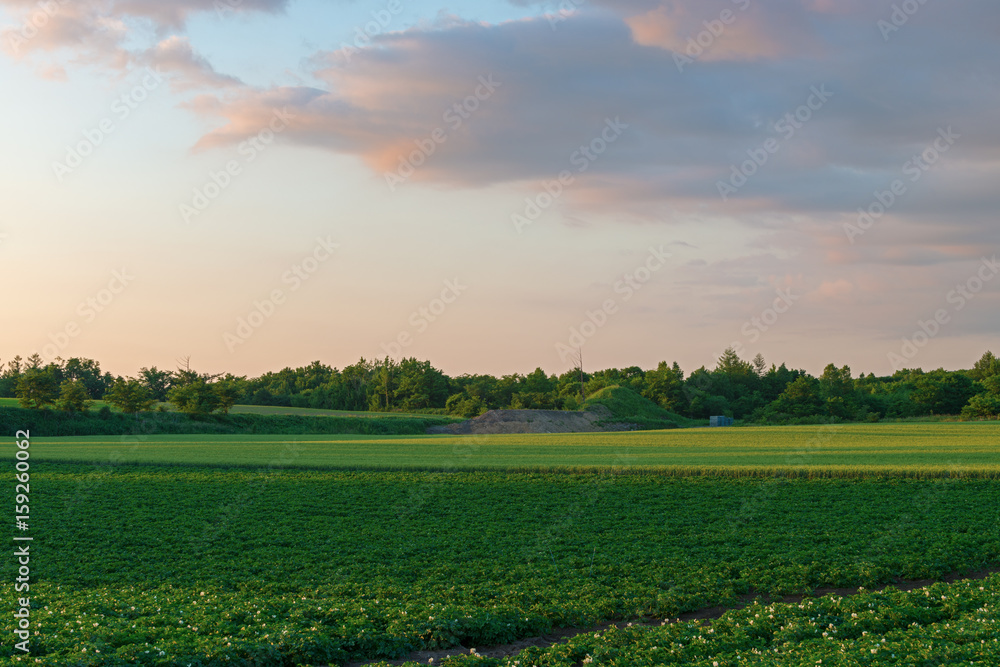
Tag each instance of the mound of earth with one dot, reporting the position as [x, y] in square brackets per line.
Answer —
[535, 421]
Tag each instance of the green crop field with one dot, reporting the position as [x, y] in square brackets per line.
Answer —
[296, 559]
[929, 449]
[313, 412]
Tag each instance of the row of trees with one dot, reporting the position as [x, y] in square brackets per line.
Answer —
[72, 385]
[749, 390]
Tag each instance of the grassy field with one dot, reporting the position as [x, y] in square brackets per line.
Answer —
[312, 412]
[186, 565]
[286, 551]
[959, 448]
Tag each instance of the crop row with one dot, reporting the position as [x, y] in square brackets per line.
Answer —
[943, 624]
[171, 565]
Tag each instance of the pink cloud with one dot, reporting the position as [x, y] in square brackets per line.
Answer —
[722, 30]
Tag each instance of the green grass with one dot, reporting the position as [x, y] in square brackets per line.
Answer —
[94, 405]
[58, 423]
[843, 450]
[313, 412]
[185, 565]
[629, 407]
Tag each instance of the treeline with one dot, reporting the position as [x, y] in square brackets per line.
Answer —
[750, 391]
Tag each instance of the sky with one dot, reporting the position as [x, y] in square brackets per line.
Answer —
[491, 186]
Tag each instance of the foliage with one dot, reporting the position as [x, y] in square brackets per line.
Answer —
[749, 391]
[73, 396]
[941, 624]
[628, 407]
[38, 387]
[130, 396]
[288, 567]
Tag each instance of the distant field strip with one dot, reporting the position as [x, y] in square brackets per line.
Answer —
[848, 450]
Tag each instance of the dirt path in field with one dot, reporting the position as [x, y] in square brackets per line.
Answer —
[705, 615]
[534, 421]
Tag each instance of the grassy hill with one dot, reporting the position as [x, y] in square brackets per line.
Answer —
[629, 407]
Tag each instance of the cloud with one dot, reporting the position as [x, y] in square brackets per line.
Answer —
[174, 55]
[103, 33]
[686, 130]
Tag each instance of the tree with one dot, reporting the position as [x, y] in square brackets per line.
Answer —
[129, 395]
[194, 393]
[730, 364]
[665, 386]
[227, 392]
[386, 380]
[799, 399]
[982, 406]
[89, 373]
[156, 381]
[9, 377]
[73, 396]
[194, 398]
[836, 390]
[987, 366]
[38, 387]
[420, 385]
[942, 393]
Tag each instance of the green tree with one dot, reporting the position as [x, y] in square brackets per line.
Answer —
[89, 373]
[386, 381]
[420, 385]
[73, 396]
[194, 398]
[38, 387]
[665, 386]
[942, 393]
[129, 395]
[836, 390]
[730, 364]
[156, 381]
[987, 366]
[982, 406]
[227, 391]
[9, 377]
[801, 398]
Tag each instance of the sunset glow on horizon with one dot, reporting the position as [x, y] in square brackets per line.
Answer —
[257, 184]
